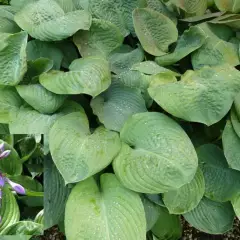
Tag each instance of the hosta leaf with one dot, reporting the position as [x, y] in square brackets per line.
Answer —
[7, 20]
[87, 75]
[66, 5]
[24, 228]
[156, 198]
[187, 197]
[228, 5]
[37, 49]
[30, 121]
[69, 51]
[190, 41]
[237, 104]
[151, 68]
[149, 160]
[11, 164]
[236, 205]
[40, 217]
[231, 146]
[117, 104]
[122, 58]
[221, 183]
[192, 7]
[159, 6]
[203, 96]
[13, 64]
[55, 194]
[40, 98]
[45, 20]
[10, 101]
[4, 129]
[168, 226]
[154, 30]
[203, 17]
[152, 212]
[216, 50]
[76, 151]
[101, 39]
[106, 211]
[36, 68]
[211, 217]
[9, 210]
[118, 12]
[235, 121]
[27, 182]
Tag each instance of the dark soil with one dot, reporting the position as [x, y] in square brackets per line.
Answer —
[190, 233]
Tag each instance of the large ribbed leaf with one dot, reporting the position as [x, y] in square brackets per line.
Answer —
[24, 228]
[221, 183]
[156, 154]
[40, 98]
[46, 20]
[203, 96]
[211, 217]
[105, 211]
[192, 7]
[118, 12]
[190, 40]
[236, 205]
[101, 39]
[77, 153]
[159, 6]
[122, 58]
[154, 30]
[187, 197]
[37, 49]
[231, 146]
[87, 75]
[228, 5]
[7, 20]
[55, 194]
[9, 210]
[30, 121]
[13, 64]
[10, 101]
[216, 50]
[11, 164]
[168, 226]
[117, 104]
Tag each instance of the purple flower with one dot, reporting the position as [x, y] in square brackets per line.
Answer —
[3, 153]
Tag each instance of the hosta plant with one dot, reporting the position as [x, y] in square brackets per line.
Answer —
[21, 190]
[139, 103]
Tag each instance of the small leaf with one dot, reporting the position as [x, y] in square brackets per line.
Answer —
[40, 217]
[154, 30]
[168, 226]
[187, 197]
[37, 49]
[211, 217]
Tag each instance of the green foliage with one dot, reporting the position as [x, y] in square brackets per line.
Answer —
[139, 104]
